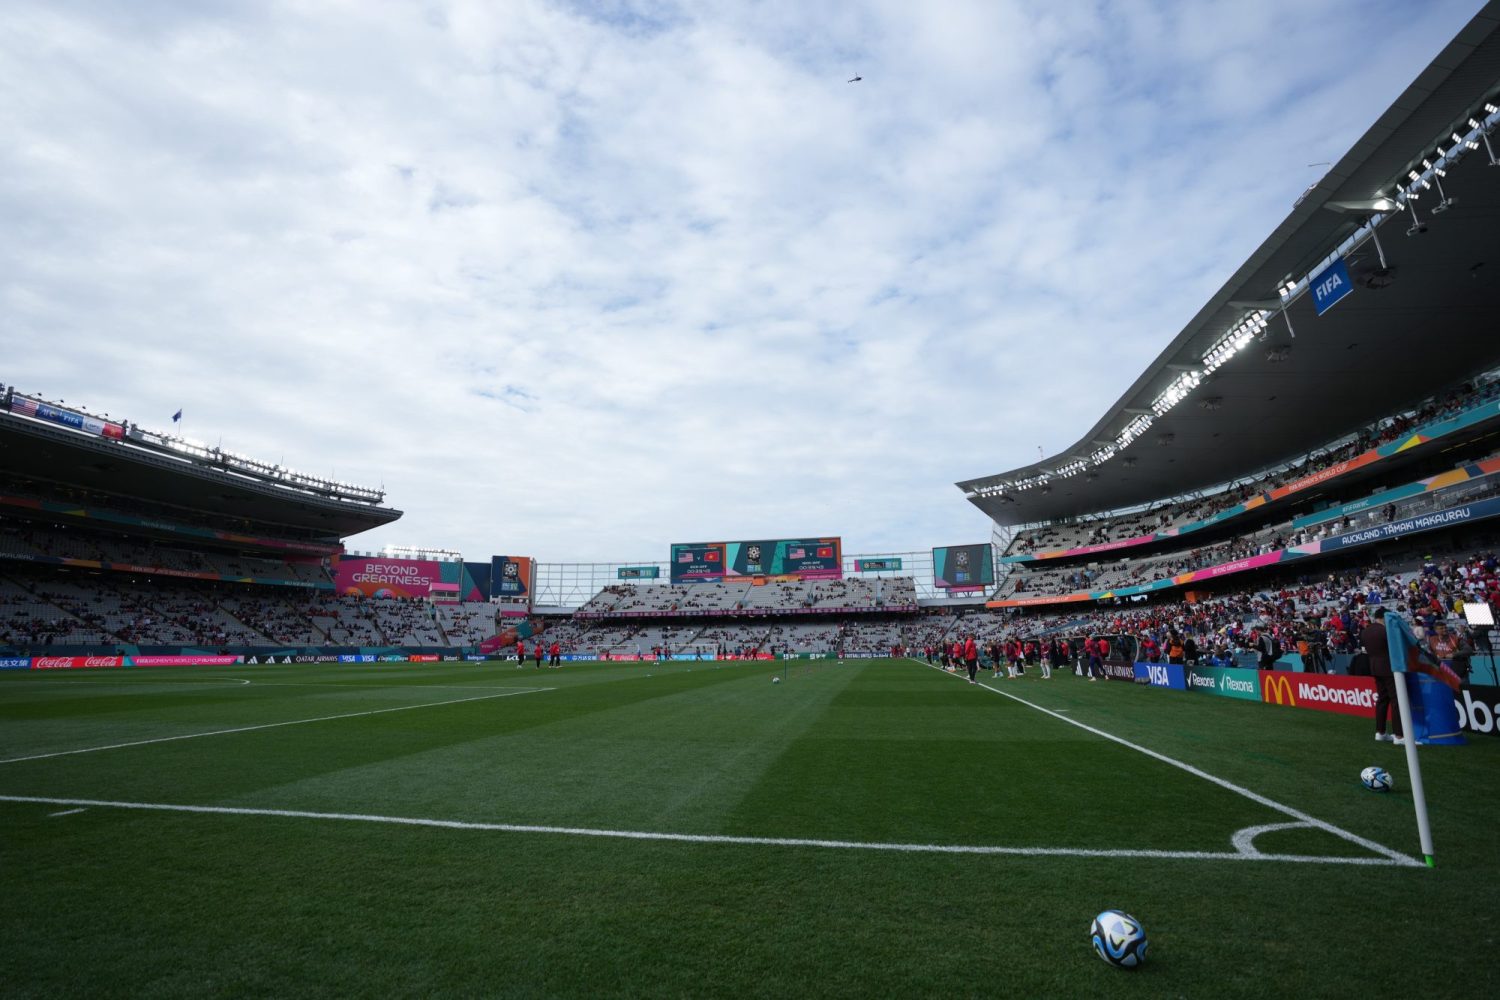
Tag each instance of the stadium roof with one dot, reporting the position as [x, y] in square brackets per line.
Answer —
[56, 455]
[1404, 332]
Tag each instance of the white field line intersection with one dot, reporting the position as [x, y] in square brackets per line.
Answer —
[696, 838]
[1242, 844]
[274, 725]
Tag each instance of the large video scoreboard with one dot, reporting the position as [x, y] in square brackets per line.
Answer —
[787, 558]
[963, 567]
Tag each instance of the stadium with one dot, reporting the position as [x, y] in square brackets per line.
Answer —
[244, 755]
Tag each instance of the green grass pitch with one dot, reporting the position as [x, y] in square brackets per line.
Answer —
[476, 829]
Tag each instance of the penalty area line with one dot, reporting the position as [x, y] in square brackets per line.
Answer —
[1392, 856]
[701, 838]
[274, 725]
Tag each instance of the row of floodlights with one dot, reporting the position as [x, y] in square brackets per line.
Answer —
[264, 470]
[1253, 325]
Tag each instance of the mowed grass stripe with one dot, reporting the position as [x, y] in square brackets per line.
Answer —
[136, 705]
[359, 763]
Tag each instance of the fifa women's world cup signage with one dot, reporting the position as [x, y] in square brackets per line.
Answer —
[963, 567]
[784, 558]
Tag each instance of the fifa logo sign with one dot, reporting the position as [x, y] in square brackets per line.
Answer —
[1277, 691]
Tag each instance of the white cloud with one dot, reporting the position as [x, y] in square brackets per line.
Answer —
[580, 280]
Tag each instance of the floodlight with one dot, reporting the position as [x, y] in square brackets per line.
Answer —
[1478, 613]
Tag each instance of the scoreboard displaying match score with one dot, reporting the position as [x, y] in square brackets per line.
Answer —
[785, 558]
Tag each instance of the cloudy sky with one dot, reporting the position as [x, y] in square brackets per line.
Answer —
[577, 280]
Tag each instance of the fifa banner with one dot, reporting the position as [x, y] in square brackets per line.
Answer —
[963, 567]
[783, 559]
[511, 576]
[77, 421]
[389, 577]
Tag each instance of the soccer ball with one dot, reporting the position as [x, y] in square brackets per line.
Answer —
[775, 680]
[1377, 779]
[1119, 939]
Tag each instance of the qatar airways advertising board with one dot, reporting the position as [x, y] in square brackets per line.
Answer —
[386, 577]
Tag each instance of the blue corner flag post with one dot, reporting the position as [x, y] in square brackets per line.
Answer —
[1406, 652]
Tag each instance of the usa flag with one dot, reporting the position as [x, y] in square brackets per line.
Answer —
[22, 405]
[797, 554]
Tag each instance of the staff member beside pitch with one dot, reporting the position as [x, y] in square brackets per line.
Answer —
[1373, 638]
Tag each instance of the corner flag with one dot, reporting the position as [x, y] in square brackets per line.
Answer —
[1407, 655]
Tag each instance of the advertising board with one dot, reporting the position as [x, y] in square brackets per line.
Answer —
[387, 577]
[1321, 692]
[1164, 675]
[1226, 682]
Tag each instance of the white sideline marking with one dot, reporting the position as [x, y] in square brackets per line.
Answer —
[703, 838]
[274, 725]
[66, 812]
[1396, 857]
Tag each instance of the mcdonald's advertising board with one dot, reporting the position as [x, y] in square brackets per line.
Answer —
[1322, 692]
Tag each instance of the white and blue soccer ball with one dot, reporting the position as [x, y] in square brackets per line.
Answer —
[1119, 939]
[775, 680]
[1377, 779]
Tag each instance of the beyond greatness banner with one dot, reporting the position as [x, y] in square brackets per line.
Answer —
[387, 577]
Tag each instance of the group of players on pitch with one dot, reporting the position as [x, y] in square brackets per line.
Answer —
[539, 652]
[966, 653]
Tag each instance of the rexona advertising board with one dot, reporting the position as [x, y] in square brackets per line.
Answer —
[963, 567]
[782, 558]
[387, 577]
[1227, 682]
